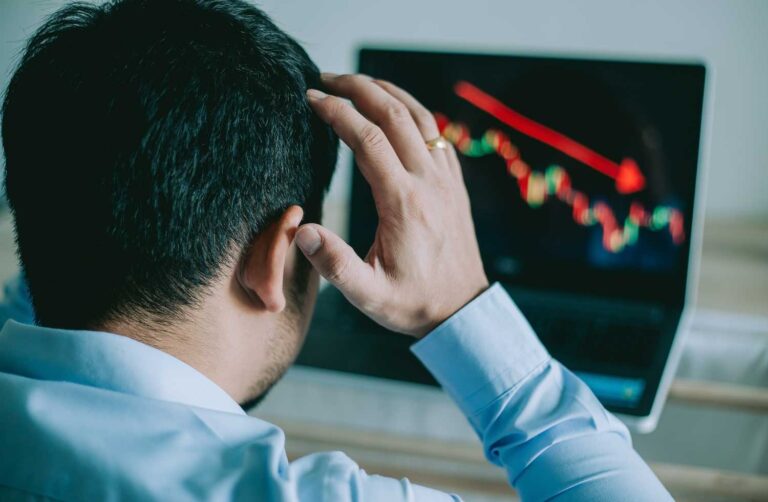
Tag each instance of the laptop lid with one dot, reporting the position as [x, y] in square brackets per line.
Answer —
[581, 172]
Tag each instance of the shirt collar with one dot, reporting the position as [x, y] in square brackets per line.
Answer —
[107, 361]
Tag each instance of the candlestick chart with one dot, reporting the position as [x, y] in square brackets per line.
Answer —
[539, 185]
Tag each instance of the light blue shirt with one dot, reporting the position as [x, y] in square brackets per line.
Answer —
[88, 415]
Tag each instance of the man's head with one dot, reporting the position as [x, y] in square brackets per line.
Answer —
[159, 154]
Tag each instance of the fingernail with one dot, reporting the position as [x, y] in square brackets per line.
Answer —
[316, 94]
[308, 240]
[327, 75]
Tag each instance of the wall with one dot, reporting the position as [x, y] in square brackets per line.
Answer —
[728, 34]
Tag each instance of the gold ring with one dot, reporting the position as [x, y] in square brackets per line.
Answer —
[438, 143]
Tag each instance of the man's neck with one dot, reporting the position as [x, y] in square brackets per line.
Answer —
[221, 344]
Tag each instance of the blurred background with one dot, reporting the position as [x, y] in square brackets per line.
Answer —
[716, 441]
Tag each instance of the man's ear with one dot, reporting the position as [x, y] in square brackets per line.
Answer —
[262, 269]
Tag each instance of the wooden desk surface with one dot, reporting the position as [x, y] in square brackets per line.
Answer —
[462, 466]
[734, 267]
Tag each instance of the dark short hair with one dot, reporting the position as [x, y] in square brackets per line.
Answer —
[147, 142]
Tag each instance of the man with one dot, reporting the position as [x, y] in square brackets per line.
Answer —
[165, 163]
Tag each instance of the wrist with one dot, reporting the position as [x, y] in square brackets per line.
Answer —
[440, 315]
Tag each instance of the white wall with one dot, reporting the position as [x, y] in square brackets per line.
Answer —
[728, 34]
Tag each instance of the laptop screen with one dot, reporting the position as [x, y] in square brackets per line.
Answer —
[581, 173]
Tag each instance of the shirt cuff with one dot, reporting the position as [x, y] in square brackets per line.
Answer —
[484, 350]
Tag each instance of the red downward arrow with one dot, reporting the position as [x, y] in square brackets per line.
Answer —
[628, 176]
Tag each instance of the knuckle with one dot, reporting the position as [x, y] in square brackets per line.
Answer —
[424, 117]
[396, 112]
[334, 107]
[337, 270]
[350, 80]
[371, 137]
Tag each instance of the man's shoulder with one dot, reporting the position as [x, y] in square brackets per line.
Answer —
[75, 442]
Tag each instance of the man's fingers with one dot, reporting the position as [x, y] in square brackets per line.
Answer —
[453, 162]
[425, 121]
[335, 260]
[423, 118]
[387, 112]
[374, 154]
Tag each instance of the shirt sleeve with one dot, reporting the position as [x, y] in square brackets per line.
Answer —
[16, 303]
[535, 418]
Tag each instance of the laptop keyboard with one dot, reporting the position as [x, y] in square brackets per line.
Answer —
[613, 337]
[578, 340]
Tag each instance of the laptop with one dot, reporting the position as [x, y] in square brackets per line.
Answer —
[582, 175]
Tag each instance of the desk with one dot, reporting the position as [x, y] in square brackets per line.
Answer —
[734, 267]
[473, 473]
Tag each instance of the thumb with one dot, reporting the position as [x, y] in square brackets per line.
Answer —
[335, 260]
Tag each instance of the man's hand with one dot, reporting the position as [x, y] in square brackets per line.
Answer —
[424, 263]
